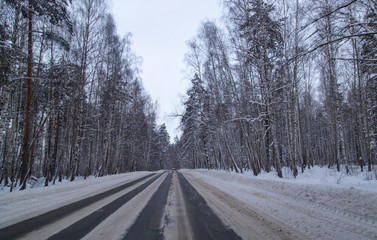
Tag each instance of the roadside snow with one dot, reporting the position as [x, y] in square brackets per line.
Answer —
[323, 176]
[326, 176]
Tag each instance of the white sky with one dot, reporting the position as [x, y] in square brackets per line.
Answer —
[160, 30]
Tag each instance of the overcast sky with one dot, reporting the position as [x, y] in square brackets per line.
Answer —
[160, 30]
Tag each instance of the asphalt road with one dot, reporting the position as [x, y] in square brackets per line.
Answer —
[190, 205]
[20, 229]
[187, 217]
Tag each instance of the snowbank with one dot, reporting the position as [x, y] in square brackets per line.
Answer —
[321, 176]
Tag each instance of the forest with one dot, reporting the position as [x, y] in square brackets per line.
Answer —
[287, 83]
[72, 100]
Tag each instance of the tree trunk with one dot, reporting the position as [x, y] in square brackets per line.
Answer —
[28, 123]
[276, 155]
[234, 163]
[53, 163]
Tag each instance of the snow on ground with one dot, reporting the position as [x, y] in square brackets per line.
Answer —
[319, 204]
[20, 205]
[328, 176]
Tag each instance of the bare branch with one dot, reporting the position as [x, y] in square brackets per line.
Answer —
[327, 14]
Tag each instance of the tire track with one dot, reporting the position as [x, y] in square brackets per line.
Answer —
[148, 225]
[29, 225]
[82, 227]
[287, 216]
[247, 219]
[205, 224]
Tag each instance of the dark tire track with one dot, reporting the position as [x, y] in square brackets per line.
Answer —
[20, 229]
[148, 224]
[204, 222]
[83, 226]
[199, 218]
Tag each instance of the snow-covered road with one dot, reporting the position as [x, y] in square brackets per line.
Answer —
[191, 204]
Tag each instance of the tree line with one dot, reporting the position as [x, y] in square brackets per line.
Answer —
[72, 101]
[283, 83]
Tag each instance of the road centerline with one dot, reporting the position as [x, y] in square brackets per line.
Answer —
[148, 224]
